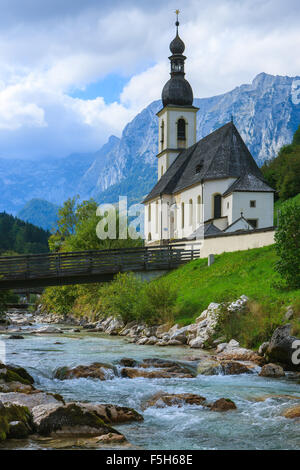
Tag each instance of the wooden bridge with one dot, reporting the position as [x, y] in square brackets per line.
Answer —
[81, 267]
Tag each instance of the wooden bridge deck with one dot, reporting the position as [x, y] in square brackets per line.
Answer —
[83, 267]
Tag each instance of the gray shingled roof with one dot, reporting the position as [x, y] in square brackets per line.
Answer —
[248, 182]
[208, 229]
[221, 154]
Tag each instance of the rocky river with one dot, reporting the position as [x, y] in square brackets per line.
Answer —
[172, 389]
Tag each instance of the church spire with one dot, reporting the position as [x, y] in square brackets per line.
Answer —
[177, 90]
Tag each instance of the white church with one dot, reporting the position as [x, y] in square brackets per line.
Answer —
[208, 187]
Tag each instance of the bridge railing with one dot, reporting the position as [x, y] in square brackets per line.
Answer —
[59, 265]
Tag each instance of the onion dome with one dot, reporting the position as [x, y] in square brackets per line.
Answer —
[177, 91]
[177, 46]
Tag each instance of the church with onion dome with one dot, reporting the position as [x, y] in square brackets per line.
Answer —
[204, 187]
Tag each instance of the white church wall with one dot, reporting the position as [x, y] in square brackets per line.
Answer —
[211, 188]
[262, 212]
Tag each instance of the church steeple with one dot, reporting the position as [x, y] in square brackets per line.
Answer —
[177, 119]
[177, 90]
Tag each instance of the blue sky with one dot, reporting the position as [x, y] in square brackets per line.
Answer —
[73, 72]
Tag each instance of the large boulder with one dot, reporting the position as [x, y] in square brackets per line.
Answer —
[272, 370]
[97, 370]
[68, 420]
[132, 373]
[30, 400]
[113, 414]
[281, 348]
[11, 373]
[50, 330]
[15, 421]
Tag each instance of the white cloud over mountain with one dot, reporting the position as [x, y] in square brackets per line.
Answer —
[49, 49]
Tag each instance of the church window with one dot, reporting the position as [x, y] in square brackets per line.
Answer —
[227, 205]
[156, 218]
[252, 203]
[161, 171]
[181, 129]
[198, 209]
[149, 236]
[182, 215]
[217, 206]
[149, 213]
[191, 211]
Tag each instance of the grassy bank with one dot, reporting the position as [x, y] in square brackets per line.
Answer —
[181, 295]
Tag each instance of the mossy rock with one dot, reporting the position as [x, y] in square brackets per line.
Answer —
[10, 373]
[15, 421]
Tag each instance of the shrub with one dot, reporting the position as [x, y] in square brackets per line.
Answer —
[156, 303]
[59, 299]
[287, 240]
[120, 296]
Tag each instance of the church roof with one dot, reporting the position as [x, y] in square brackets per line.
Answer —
[248, 182]
[221, 154]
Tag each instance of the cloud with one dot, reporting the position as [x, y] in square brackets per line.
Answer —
[49, 49]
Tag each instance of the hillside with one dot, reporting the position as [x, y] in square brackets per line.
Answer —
[40, 213]
[266, 113]
[21, 237]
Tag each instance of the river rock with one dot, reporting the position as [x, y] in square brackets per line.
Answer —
[11, 373]
[197, 343]
[97, 370]
[115, 326]
[15, 387]
[113, 414]
[223, 404]
[132, 373]
[161, 399]
[30, 400]
[128, 362]
[48, 330]
[16, 337]
[15, 421]
[272, 370]
[280, 348]
[236, 368]
[263, 348]
[233, 351]
[292, 413]
[68, 420]
[162, 329]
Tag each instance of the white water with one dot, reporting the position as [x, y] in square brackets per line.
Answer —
[254, 425]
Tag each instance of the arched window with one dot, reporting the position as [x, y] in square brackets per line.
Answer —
[149, 236]
[198, 209]
[217, 201]
[182, 215]
[161, 171]
[149, 213]
[181, 129]
[156, 217]
[191, 211]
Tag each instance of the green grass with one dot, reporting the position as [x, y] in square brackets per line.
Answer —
[279, 203]
[249, 272]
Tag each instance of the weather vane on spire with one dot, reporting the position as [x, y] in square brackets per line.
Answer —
[177, 22]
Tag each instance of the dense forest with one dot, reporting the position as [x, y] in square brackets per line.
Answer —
[283, 171]
[20, 237]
